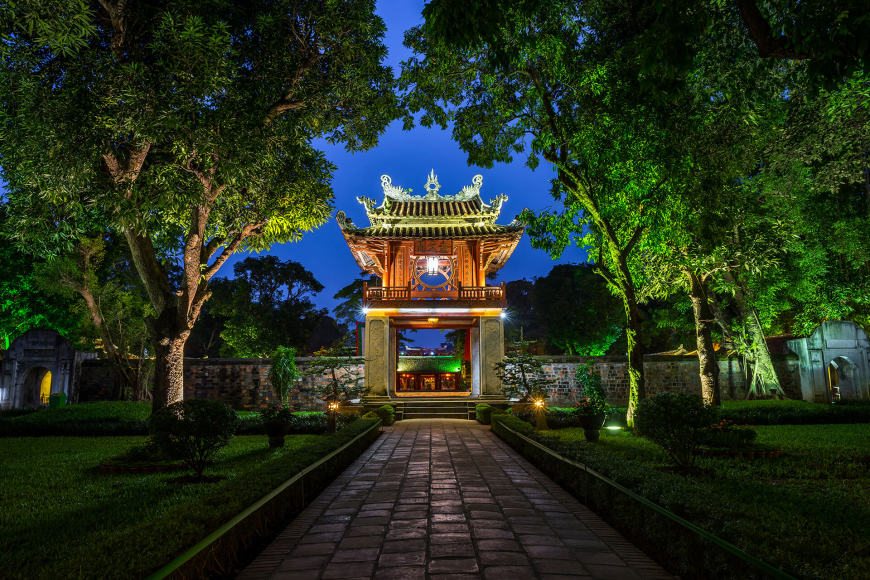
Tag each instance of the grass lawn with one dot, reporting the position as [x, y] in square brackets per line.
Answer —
[62, 518]
[807, 512]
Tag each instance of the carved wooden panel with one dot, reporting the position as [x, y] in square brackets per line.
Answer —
[466, 260]
[433, 247]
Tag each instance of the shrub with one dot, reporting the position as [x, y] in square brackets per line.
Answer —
[10, 413]
[557, 417]
[194, 430]
[371, 415]
[283, 373]
[727, 433]
[276, 414]
[771, 412]
[482, 413]
[677, 422]
[589, 382]
[386, 413]
[314, 422]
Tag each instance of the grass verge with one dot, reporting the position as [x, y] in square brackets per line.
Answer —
[62, 518]
[807, 513]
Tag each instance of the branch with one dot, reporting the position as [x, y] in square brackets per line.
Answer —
[762, 35]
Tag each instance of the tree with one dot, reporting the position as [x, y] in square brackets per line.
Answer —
[340, 370]
[350, 309]
[267, 305]
[579, 314]
[114, 304]
[563, 84]
[188, 129]
[522, 372]
[522, 317]
[24, 306]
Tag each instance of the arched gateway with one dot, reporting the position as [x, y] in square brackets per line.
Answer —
[432, 253]
[39, 363]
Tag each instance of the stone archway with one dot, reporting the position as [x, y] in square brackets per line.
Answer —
[20, 374]
[844, 379]
[35, 387]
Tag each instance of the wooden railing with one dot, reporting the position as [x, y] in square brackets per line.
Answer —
[470, 293]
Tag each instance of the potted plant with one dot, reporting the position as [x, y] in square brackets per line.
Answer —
[592, 412]
[276, 423]
[591, 408]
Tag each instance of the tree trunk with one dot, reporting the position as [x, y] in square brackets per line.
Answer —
[709, 366]
[634, 338]
[764, 381]
[168, 339]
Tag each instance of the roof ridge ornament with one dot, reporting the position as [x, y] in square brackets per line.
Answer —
[396, 193]
[432, 186]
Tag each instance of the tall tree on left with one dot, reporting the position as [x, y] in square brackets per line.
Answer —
[186, 126]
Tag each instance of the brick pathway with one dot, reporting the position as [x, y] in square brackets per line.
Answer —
[447, 499]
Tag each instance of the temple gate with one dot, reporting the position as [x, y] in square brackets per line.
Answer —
[432, 254]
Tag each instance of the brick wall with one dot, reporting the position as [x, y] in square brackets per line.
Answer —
[244, 383]
[663, 374]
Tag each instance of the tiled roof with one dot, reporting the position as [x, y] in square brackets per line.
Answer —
[434, 208]
[439, 232]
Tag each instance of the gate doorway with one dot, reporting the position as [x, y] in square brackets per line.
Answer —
[434, 371]
[36, 387]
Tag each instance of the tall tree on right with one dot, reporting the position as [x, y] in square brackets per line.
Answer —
[562, 84]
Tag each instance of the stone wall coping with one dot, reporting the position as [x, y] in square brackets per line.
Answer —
[255, 361]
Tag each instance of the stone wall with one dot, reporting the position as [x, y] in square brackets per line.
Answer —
[244, 383]
[663, 374]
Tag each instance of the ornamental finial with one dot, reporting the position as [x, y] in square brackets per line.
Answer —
[432, 186]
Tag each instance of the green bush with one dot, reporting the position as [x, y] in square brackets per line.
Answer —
[482, 412]
[589, 382]
[557, 418]
[386, 413]
[10, 413]
[728, 434]
[677, 422]
[772, 412]
[371, 415]
[194, 430]
[314, 422]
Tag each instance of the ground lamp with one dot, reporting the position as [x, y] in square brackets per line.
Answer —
[540, 411]
[332, 403]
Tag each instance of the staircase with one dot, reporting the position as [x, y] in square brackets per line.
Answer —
[434, 409]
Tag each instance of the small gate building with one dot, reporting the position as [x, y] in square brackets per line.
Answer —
[433, 254]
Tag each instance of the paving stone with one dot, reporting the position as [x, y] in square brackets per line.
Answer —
[453, 566]
[482, 533]
[502, 545]
[401, 573]
[451, 550]
[503, 559]
[348, 570]
[417, 558]
[304, 563]
[551, 552]
[356, 555]
[512, 572]
[361, 542]
[314, 549]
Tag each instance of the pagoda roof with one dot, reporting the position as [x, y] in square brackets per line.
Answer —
[402, 216]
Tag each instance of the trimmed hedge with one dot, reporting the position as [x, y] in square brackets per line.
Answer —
[759, 512]
[85, 419]
[386, 413]
[557, 417]
[768, 412]
[482, 412]
[109, 418]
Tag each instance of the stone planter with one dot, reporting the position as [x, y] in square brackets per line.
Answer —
[276, 432]
[592, 426]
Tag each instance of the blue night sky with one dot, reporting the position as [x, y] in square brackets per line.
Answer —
[408, 157]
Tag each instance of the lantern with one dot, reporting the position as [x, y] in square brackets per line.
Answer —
[332, 403]
[432, 265]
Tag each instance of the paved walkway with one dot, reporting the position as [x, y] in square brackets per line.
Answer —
[446, 499]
